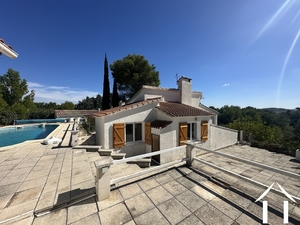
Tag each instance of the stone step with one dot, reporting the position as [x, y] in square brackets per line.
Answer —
[118, 156]
[143, 163]
[88, 147]
[105, 152]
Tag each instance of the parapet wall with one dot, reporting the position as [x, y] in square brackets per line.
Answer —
[220, 137]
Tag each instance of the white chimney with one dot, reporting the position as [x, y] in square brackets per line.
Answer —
[185, 90]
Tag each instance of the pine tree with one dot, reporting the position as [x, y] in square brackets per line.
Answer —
[106, 92]
[115, 97]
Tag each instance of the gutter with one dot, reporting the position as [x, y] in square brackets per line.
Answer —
[7, 50]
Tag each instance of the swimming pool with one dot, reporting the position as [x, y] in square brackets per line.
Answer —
[17, 134]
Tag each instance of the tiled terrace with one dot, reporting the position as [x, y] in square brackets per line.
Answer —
[35, 179]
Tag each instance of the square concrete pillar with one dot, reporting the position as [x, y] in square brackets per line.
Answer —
[298, 155]
[241, 136]
[190, 153]
[103, 177]
[74, 138]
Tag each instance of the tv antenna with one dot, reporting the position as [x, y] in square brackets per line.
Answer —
[176, 76]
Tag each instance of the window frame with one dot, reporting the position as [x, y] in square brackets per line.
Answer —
[192, 131]
[133, 133]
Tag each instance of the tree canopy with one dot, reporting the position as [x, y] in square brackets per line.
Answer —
[271, 129]
[131, 73]
[90, 103]
[67, 105]
[14, 89]
[15, 99]
[115, 95]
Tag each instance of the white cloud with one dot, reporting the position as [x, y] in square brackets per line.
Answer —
[32, 85]
[225, 85]
[58, 94]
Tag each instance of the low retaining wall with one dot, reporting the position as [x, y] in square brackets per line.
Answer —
[220, 137]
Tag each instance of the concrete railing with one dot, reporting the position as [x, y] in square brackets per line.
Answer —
[104, 182]
[253, 163]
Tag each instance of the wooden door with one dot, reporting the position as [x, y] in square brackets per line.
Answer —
[183, 133]
[155, 147]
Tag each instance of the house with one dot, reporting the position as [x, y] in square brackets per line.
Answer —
[70, 115]
[160, 118]
[7, 50]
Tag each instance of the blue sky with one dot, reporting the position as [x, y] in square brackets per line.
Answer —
[237, 52]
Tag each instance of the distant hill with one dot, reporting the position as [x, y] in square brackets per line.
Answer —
[277, 110]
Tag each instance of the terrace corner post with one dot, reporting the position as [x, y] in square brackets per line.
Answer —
[74, 138]
[190, 153]
[103, 177]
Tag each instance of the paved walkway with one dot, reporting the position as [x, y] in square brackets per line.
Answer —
[36, 178]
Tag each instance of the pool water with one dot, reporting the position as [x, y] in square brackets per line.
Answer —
[19, 134]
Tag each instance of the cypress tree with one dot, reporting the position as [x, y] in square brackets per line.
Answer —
[106, 92]
[115, 97]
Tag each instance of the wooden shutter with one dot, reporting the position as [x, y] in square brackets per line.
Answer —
[183, 133]
[204, 131]
[148, 133]
[119, 137]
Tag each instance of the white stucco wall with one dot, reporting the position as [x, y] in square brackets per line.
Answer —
[174, 126]
[146, 93]
[219, 137]
[134, 148]
[170, 134]
[185, 90]
[222, 137]
[99, 136]
[168, 139]
[195, 102]
[135, 115]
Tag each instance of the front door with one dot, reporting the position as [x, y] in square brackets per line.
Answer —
[155, 147]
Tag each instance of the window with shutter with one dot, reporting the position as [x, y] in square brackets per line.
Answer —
[118, 135]
[204, 131]
[183, 133]
[148, 133]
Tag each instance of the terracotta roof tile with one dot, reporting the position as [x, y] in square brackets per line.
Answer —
[176, 109]
[73, 113]
[125, 107]
[159, 124]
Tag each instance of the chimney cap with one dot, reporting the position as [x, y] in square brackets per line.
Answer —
[184, 78]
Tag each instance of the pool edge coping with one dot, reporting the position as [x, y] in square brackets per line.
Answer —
[5, 148]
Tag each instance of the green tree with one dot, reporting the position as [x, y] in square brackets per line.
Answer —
[28, 101]
[13, 88]
[3, 103]
[106, 92]
[115, 96]
[7, 117]
[131, 73]
[90, 103]
[20, 110]
[98, 102]
[43, 105]
[297, 130]
[229, 114]
[67, 105]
